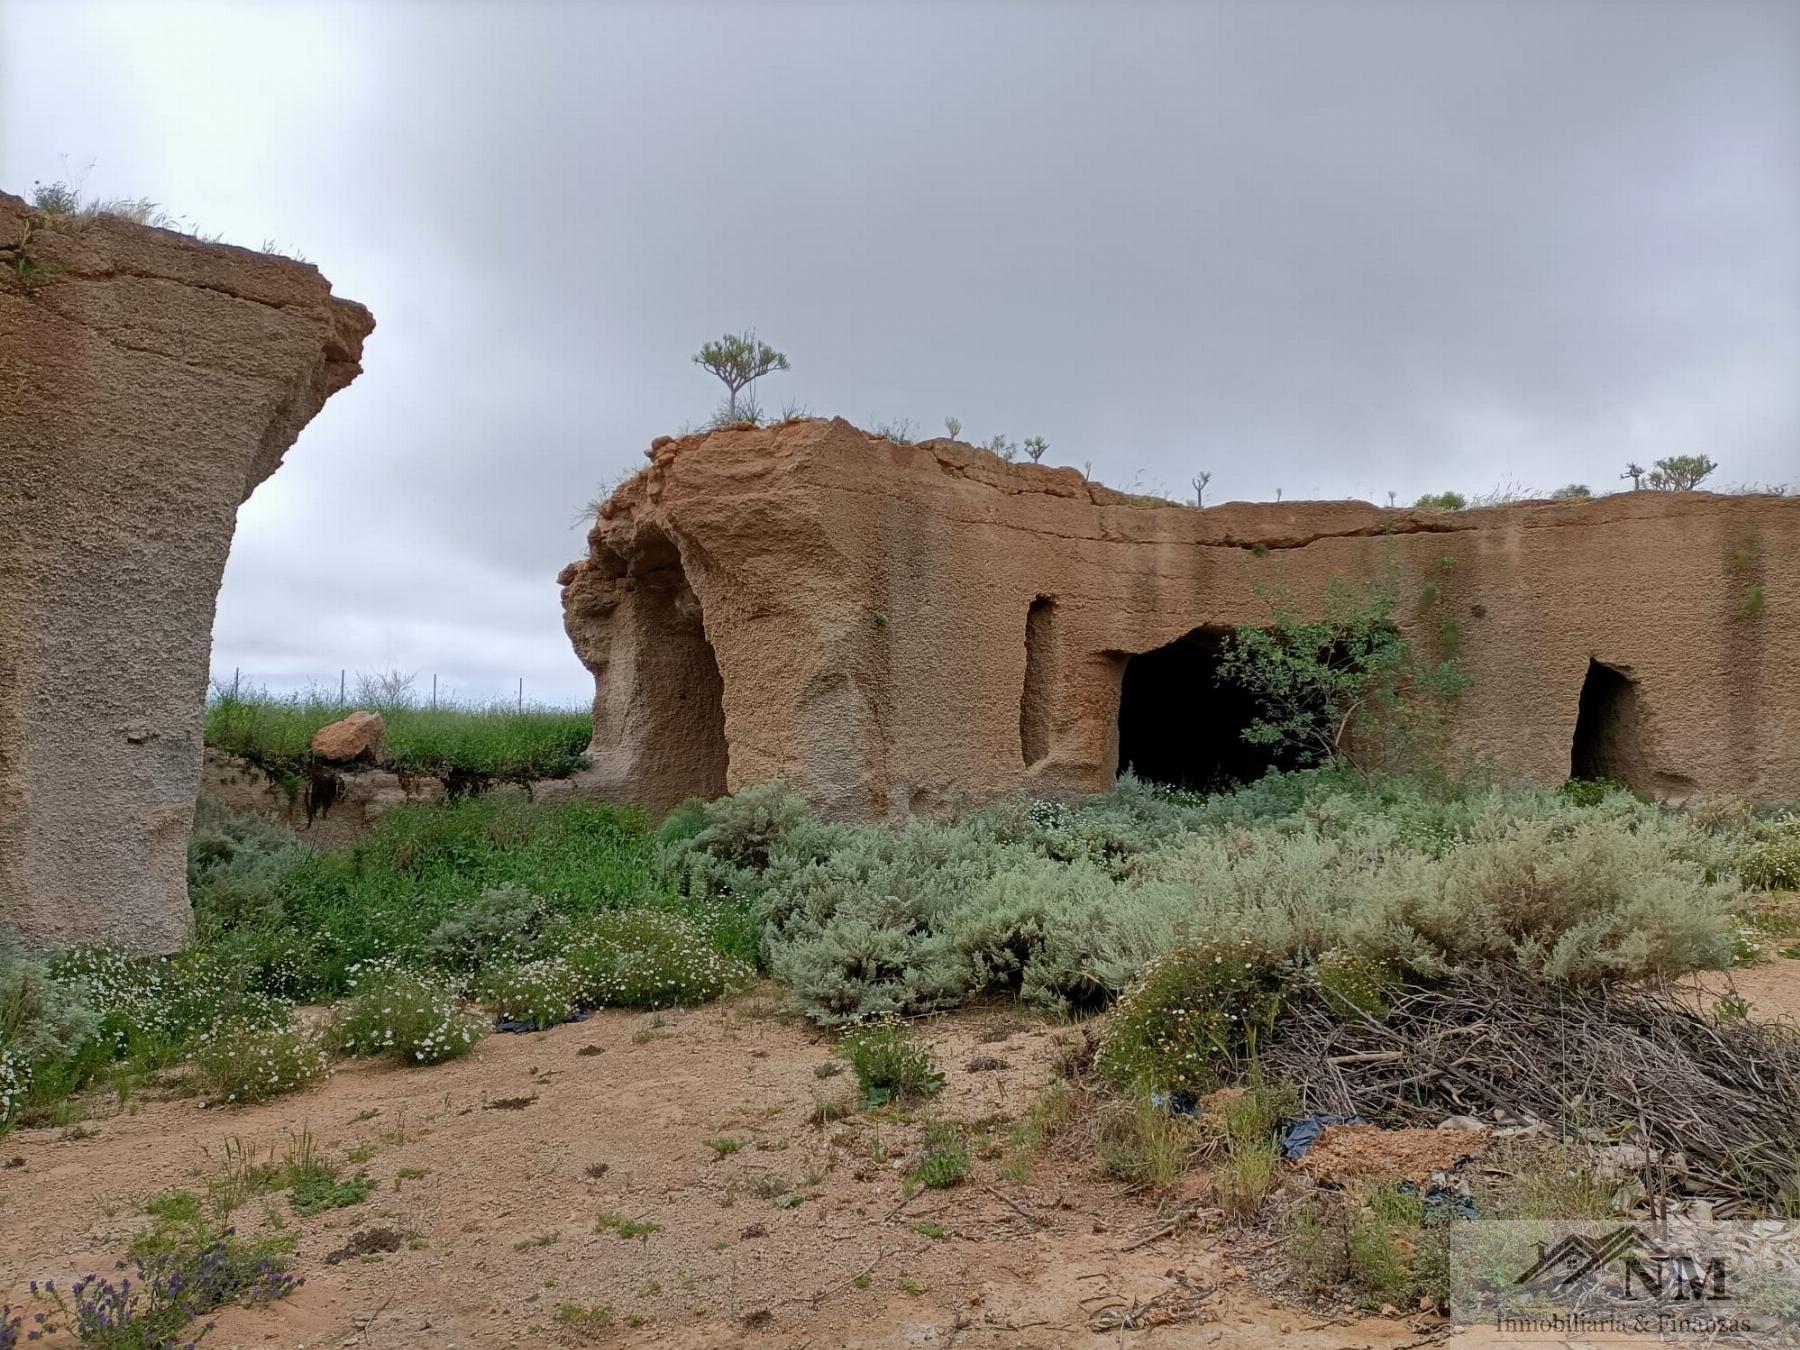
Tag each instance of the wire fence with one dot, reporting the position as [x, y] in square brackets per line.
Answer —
[389, 689]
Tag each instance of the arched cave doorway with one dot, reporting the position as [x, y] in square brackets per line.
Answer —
[1180, 726]
[1608, 736]
[678, 698]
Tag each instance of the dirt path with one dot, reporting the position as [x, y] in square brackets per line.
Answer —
[1771, 988]
[799, 1238]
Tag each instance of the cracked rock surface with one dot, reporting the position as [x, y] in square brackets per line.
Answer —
[148, 382]
[898, 628]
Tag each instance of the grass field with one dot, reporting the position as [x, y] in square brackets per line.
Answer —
[499, 741]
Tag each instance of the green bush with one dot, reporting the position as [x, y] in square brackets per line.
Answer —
[236, 866]
[1355, 986]
[493, 873]
[151, 1008]
[1590, 791]
[1441, 501]
[1065, 906]
[500, 925]
[1195, 1019]
[741, 830]
[1772, 860]
[1349, 687]
[239, 1062]
[542, 993]
[319, 1190]
[407, 1017]
[946, 1160]
[48, 1034]
[889, 1065]
[648, 958]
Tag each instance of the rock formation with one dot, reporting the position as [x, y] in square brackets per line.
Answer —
[896, 628]
[148, 381]
[359, 737]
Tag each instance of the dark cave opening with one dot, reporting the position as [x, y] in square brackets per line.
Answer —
[1040, 665]
[1608, 739]
[1180, 726]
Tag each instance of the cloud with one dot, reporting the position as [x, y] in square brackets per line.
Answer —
[1333, 250]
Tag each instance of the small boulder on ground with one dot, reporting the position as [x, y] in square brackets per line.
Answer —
[359, 738]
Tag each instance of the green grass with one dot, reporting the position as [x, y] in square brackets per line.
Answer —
[499, 742]
[422, 867]
[607, 1221]
[946, 1160]
[890, 1066]
[315, 1193]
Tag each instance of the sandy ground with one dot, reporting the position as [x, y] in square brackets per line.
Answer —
[500, 1226]
[494, 1168]
[1772, 989]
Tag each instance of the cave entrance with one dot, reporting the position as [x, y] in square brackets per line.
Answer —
[1181, 726]
[1040, 668]
[678, 692]
[1608, 739]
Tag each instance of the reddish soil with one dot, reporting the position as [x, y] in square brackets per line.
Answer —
[1364, 1152]
[499, 1231]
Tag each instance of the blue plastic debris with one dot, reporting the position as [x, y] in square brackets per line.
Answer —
[1442, 1202]
[1297, 1136]
[1176, 1103]
[515, 1024]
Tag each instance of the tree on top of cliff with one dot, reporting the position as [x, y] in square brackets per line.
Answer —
[1680, 473]
[739, 360]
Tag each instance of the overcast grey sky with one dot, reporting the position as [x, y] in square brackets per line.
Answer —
[1331, 248]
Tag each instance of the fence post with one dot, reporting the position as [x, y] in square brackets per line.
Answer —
[434, 691]
[341, 674]
[236, 674]
[521, 693]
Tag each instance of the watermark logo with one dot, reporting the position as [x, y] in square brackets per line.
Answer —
[1640, 1266]
[1731, 1283]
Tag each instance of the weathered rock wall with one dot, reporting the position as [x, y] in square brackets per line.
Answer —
[148, 382]
[368, 793]
[900, 628]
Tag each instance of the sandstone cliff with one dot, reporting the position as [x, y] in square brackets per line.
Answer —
[900, 628]
[148, 382]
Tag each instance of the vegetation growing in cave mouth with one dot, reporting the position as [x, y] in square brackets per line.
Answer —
[1349, 687]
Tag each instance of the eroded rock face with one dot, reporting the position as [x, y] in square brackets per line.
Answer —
[902, 628]
[148, 382]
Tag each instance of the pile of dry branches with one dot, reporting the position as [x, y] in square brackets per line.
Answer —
[1715, 1100]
